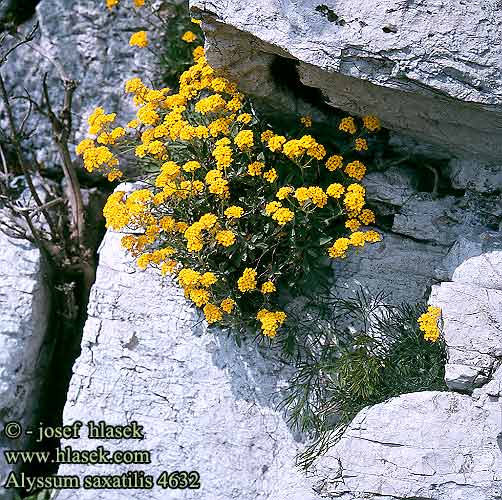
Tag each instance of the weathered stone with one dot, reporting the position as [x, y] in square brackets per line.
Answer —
[441, 220]
[400, 266]
[205, 404]
[441, 84]
[427, 445]
[464, 248]
[393, 186]
[24, 316]
[471, 308]
[470, 173]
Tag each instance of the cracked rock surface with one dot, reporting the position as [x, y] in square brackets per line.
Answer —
[24, 316]
[426, 445]
[430, 69]
[205, 404]
[471, 307]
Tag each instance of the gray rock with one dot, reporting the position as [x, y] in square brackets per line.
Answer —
[393, 186]
[466, 247]
[205, 404]
[471, 308]
[432, 72]
[397, 265]
[24, 316]
[427, 445]
[441, 221]
[470, 173]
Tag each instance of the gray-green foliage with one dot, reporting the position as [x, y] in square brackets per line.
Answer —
[352, 353]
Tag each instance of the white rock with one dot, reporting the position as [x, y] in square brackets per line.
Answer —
[427, 445]
[205, 404]
[431, 71]
[471, 308]
[24, 316]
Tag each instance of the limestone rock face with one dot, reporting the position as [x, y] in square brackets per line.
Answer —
[427, 445]
[24, 317]
[431, 70]
[205, 404]
[472, 313]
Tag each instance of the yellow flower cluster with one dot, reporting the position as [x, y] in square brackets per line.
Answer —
[247, 281]
[139, 39]
[100, 157]
[348, 125]
[270, 321]
[224, 202]
[355, 169]
[189, 36]
[428, 322]
[371, 123]
[357, 239]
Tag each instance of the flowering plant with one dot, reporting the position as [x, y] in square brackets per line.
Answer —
[236, 213]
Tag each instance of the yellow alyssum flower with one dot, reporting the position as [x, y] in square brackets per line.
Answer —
[139, 39]
[283, 216]
[357, 239]
[189, 36]
[83, 145]
[335, 190]
[225, 238]
[198, 53]
[234, 212]
[266, 136]
[268, 287]
[111, 3]
[355, 169]
[428, 323]
[371, 123]
[270, 321]
[334, 162]
[293, 148]
[208, 220]
[276, 142]
[227, 305]
[272, 207]
[367, 216]
[361, 144]
[114, 174]
[199, 296]
[210, 104]
[270, 175]
[348, 125]
[318, 196]
[212, 313]
[372, 236]
[191, 166]
[339, 248]
[255, 168]
[223, 156]
[244, 139]
[208, 279]
[188, 277]
[302, 194]
[244, 118]
[247, 281]
[284, 192]
[139, 3]
[306, 121]
[352, 224]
